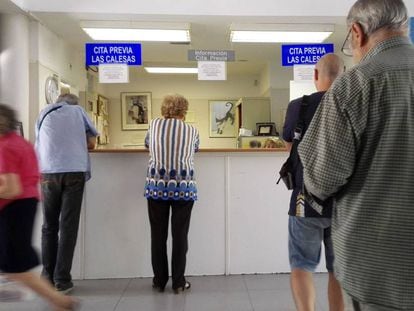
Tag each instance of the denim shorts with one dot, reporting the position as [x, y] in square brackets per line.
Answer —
[306, 235]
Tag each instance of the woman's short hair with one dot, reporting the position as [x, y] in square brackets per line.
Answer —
[8, 121]
[71, 99]
[174, 106]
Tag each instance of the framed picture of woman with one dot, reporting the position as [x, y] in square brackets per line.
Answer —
[135, 110]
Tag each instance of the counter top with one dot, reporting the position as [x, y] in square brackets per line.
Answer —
[203, 150]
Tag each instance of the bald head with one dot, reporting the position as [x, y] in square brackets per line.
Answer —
[328, 68]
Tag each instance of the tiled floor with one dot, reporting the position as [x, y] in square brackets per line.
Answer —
[208, 293]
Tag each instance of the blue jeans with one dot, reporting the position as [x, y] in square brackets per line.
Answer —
[306, 235]
[62, 201]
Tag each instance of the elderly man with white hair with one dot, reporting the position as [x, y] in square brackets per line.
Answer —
[364, 157]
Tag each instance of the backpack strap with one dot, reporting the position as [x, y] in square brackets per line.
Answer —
[300, 124]
[43, 118]
[293, 159]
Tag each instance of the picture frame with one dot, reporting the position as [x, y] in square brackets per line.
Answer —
[19, 128]
[102, 106]
[92, 106]
[135, 110]
[266, 129]
[222, 118]
[102, 120]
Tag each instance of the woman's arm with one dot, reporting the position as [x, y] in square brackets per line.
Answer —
[10, 186]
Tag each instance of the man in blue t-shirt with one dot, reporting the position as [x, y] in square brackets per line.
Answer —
[64, 134]
[307, 228]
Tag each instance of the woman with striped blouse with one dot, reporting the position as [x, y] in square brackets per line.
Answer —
[170, 185]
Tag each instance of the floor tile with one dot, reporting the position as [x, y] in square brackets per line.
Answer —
[271, 300]
[267, 281]
[220, 283]
[213, 301]
[208, 293]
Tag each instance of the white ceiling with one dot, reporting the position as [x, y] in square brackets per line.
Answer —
[7, 6]
[207, 32]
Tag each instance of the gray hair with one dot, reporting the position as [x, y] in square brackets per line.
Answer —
[71, 99]
[8, 121]
[376, 14]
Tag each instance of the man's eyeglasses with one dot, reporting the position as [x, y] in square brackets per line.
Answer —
[346, 47]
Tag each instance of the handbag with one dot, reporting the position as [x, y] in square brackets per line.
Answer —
[288, 170]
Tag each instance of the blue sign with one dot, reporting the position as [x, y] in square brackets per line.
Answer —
[412, 29]
[113, 53]
[304, 54]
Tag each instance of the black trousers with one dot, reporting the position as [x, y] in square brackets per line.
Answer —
[159, 214]
[62, 201]
[16, 227]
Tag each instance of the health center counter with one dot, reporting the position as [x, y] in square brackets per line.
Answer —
[238, 224]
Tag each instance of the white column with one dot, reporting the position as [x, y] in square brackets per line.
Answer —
[14, 65]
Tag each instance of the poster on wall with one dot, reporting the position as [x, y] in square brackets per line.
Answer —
[103, 120]
[135, 110]
[222, 118]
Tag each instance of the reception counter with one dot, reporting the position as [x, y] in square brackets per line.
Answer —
[238, 225]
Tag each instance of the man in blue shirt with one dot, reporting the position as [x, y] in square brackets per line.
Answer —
[307, 228]
[64, 133]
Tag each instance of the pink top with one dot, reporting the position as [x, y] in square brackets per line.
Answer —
[17, 156]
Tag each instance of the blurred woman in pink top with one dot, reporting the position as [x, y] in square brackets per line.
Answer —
[19, 194]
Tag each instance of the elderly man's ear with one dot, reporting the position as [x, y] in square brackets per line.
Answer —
[358, 37]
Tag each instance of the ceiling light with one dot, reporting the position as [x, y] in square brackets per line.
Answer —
[134, 31]
[280, 33]
[171, 70]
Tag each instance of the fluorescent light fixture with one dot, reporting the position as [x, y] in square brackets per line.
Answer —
[281, 33]
[134, 31]
[171, 70]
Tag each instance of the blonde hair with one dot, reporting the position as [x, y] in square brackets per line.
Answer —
[174, 106]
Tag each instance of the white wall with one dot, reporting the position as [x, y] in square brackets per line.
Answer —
[51, 55]
[14, 64]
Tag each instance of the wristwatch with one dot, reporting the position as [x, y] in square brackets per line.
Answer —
[51, 89]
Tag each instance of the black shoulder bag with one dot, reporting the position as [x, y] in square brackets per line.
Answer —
[288, 170]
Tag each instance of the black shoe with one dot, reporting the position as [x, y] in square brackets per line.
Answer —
[158, 288]
[180, 289]
[64, 288]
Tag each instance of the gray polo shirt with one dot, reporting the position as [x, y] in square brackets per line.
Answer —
[364, 133]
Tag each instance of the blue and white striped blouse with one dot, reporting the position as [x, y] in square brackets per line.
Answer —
[172, 144]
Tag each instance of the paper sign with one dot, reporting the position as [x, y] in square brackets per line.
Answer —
[113, 73]
[212, 71]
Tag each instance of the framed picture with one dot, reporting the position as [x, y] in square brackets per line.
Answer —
[102, 105]
[266, 129]
[135, 110]
[222, 115]
[19, 128]
[102, 120]
[92, 106]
